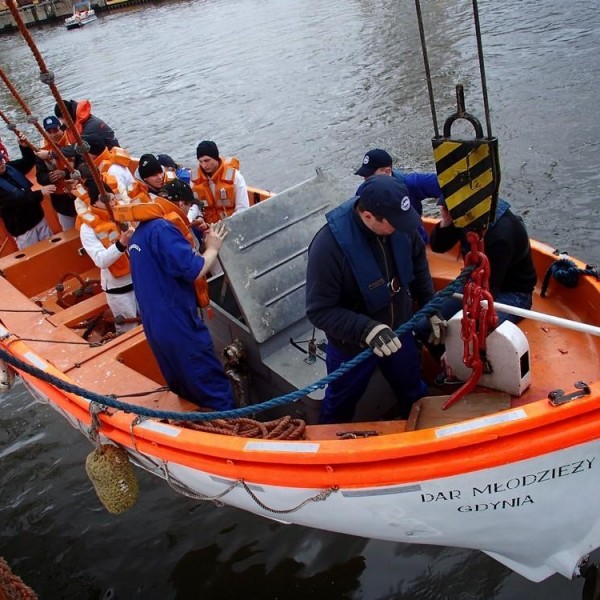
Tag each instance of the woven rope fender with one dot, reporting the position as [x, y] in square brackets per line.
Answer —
[12, 586]
[113, 476]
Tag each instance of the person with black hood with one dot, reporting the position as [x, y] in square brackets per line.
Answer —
[20, 207]
[506, 245]
[86, 123]
[365, 269]
[219, 185]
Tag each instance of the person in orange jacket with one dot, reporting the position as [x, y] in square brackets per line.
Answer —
[218, 185]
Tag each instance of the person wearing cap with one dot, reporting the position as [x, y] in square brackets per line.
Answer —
[106, 245]
[49, 171]
[166, 271]
[21, 207]
[366, 266]
[181, 194]
[85, 122]
[420, 185]
[219, 185]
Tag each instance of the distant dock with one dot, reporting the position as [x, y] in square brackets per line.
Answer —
[51, 11]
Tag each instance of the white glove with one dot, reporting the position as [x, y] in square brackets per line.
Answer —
[439, 328]
[382, 340]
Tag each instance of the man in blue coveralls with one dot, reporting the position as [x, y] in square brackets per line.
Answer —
[365, 268]
[164, 269]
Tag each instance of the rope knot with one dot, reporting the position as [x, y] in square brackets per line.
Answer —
[82, 148]
[567, 273]
[47, 77]
[32, 119]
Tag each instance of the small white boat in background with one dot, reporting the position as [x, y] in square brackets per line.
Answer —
[83, 14]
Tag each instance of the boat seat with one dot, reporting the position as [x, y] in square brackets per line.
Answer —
[428, 412]
[339, 431]
[78, 312]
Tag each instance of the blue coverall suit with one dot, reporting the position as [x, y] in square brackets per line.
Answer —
[163, 269]
[355, 277]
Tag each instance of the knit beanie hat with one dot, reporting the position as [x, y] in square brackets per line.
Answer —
[71, 107]
[149, 166]
[207, 148]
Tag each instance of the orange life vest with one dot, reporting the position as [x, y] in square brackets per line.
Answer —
[114, 156]
[161, 208]
[106, 231]
[222, 203]
[61, 186]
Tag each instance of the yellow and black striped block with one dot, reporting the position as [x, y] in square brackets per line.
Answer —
[469, 176]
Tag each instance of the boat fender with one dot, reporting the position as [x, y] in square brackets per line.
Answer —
[7, 377]
[113, 476]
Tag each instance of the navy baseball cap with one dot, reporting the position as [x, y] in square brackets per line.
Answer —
[387, 198]
[178, 190]
[51, 122]
[373, 160]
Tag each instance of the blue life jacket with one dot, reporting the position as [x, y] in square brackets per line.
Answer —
[371, 282]
[23, 184]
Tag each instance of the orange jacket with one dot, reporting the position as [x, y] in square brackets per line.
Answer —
[222, 202]
[106, 231]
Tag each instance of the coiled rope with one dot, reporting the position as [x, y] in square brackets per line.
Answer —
[110, 401]
[12, 586]
[567, 273]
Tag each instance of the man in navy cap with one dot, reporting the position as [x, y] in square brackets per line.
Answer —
[366, 266]
[420, 185]
[50, 171]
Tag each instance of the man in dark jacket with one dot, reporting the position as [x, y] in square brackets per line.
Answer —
[20, 207]
[365, 269]
[49, 172]
[506, 245]
[86, 123]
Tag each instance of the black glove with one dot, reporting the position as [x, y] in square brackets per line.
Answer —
[381, 339]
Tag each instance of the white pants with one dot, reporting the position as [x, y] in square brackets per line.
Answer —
[124, 305]
[65, 221]
[36, 234]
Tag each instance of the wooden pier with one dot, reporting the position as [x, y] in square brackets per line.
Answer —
[38, 13]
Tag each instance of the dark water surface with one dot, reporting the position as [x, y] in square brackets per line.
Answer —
[289, 86]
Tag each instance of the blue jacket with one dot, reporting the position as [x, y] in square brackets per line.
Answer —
[20, 208]
[420, 186]
[336, 278]
[163, 269]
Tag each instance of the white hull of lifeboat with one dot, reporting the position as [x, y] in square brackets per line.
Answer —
[487, 510]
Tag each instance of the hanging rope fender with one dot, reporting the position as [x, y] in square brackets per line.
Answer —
[567, 273]
[431, 308]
